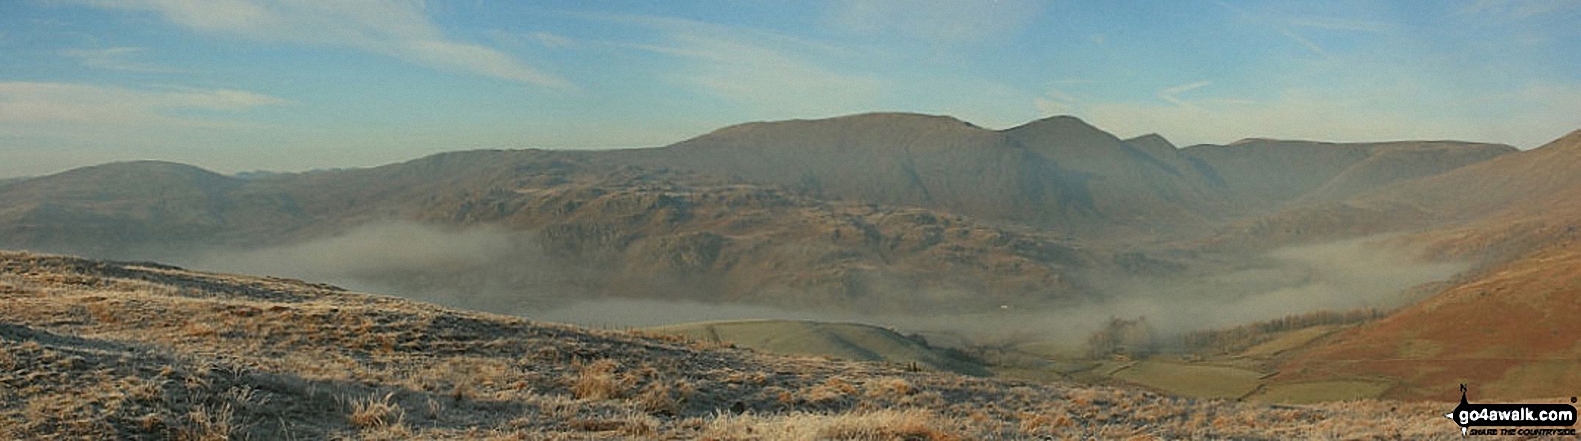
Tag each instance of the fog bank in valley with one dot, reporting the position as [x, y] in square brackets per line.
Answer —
[504, 271]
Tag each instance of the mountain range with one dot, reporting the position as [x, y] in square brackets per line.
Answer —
[920, 213]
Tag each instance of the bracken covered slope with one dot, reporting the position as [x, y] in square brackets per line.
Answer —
[93, 349]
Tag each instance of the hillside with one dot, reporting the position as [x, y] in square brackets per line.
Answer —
[1505, 325]
[83, 209]
[587, 227]
[1269, 173]
[145, 351]
[1495, 209]
[1510, 333]
[849, 212]
[1057, 173]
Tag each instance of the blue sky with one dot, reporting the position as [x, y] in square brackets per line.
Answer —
[237, 85]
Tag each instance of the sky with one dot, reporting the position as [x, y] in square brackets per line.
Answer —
[289, 85]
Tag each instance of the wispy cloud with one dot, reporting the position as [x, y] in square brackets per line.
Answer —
[781, 74]
[398, 29]
[1305, 42]
[116, 58]
[1172, 94]
[86, 112]
[939, 21]
[1056, 102]
[537, 38]
[1516, 10]
[1284, 26]
[1339, 24]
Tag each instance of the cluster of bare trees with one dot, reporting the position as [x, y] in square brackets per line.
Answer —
[1244, 336]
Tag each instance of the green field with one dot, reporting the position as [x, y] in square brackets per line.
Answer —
[1192, 379]
[851, 341]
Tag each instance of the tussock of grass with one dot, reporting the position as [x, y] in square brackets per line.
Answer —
[374, 412]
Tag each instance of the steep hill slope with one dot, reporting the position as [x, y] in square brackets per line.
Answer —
[90, 349]
[1509, 334]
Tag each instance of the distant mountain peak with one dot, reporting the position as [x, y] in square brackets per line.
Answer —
[874, 119]
[1151, 140]
[1057, 122]
[1244, 141]
[146, 169]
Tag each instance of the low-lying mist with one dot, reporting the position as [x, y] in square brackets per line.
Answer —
[507, 272]
[481, 268]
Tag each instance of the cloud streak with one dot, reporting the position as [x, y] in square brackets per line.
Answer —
[397, 29]
[86, 112]
[1354, 115]
[937, 21]
[766, 71]
[116, 58]
[1171, 94]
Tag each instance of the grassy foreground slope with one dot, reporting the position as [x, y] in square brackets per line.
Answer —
[93, 349]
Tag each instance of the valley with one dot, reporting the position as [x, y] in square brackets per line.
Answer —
[1252, 231]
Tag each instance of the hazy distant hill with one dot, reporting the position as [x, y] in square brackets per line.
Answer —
[1268, 173]
[878, 211]
[630, 231]
[1058, 173]
[105, 208]
[1495, 209]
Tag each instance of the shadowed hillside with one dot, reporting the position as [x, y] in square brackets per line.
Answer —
[144, 351]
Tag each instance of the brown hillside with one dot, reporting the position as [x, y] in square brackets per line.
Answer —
[1508, 334]
[1507, 328]
[92, 350]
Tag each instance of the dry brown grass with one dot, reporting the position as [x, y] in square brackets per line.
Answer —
[207, 424]
[597, 381]
[198, 356]
[882, 425]
[375, 412]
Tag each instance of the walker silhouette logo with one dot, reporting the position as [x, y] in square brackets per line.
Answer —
[1469, 415]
